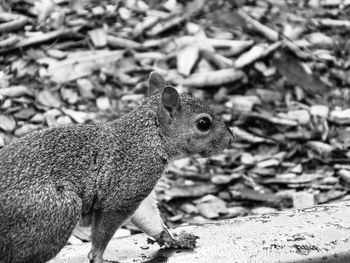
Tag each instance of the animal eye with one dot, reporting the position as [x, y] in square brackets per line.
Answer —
[204, 124]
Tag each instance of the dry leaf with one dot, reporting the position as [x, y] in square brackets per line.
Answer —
[296, 74]
[195, 190]
[321, 148]
[24, 113]
[211, 206]
[79, 116]
[216, 59]
[7, 123]
[51, 116]
[214, 78]
[242, 104]
[15, 91]
[98, 37]
[85, 88]
[25, 129]
[80, 64]
[103, 103]
[69, 95]
[222, 179]
[293, 179]
[256, 52]
[118, 42]
[301, 116]
[345, 175]
[57, 54]
[186, 57]
[48, 98]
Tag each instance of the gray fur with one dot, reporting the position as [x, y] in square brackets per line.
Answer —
[50, 178]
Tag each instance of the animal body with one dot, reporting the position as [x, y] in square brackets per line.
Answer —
[105, 172]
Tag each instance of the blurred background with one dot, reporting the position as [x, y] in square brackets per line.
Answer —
[276, 71]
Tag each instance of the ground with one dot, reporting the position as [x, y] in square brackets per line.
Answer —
[276, 71]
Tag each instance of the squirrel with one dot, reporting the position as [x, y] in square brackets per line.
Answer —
[52, 178]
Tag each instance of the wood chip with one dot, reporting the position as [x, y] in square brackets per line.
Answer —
[195, 190]
[7, 123]
[186, 58]
[302, 179]
[25, 129]
[211, 206]
[13, 22]
[214, 78]
[25, 113]
[256, 52]
[80, 64]
[48, 98]
[225, 179]
[85, 88]
[15, 91]
[118, 42]
[69, 95]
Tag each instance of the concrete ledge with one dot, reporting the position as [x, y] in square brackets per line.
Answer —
[318, 234]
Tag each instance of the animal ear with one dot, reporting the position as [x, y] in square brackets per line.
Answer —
[170, 101]
[156, 83]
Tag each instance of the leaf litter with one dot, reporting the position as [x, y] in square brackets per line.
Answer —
[278, 74]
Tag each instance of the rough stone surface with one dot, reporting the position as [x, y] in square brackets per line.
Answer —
[318, 234]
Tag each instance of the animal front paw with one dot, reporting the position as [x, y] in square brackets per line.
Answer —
[181, 240]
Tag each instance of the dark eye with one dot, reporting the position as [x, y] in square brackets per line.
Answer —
[204, 124]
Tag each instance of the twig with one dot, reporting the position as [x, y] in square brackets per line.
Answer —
[331, 23]
[216, 59]
[38, 39]
[14, 22]
[273, 35]
[167, 24]
[213, 78]
[264, 30]
[118, 42]
[255, 53]
[11, 40]
[174, 19]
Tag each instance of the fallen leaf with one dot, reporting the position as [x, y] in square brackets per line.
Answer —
[79, 116]
[15, 91]
[345, 175]
[69, 95]
[186, 57]
[7, 123]
[48, 98]
[224, 179]
[25, 129]
[25, 113]
[195, 190]
[213, 78]
[242, 104]
[189, 208]
[296, 74]
[103, 103]
[80, 64]
[85, 88]
[211, 206]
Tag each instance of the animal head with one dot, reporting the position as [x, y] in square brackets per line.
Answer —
[188, 126]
